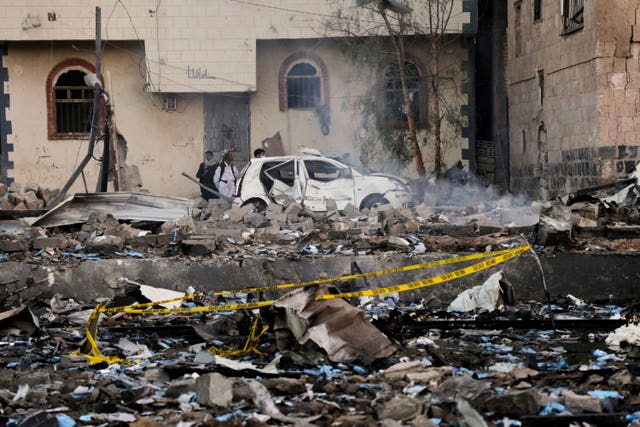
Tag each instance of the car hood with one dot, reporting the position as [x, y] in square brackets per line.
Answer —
[401, 180]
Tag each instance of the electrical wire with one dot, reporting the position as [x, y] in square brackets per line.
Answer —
[303, 12]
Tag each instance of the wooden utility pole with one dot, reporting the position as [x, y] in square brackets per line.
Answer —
[114, 146]
[97, 91]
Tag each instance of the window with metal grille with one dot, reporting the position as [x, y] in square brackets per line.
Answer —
[303, 86]
[572, 15]
[73, 101]
[394, 112]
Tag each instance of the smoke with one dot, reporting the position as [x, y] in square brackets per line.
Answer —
[463, 203]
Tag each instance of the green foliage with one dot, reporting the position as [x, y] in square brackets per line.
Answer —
[379, 145]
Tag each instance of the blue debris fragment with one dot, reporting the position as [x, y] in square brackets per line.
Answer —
[554, 408]
[554, 366]
[93, 256]
[65, 420]
[130, 254]
[604, 394]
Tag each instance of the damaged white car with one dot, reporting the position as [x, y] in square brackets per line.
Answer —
[312, 181]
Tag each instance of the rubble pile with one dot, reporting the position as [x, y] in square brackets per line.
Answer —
[150, 356]
[217, 228]
[450, 218]
[438, 366]
[29, 196]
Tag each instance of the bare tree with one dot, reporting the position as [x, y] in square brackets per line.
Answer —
[398, 21]
[439, 15]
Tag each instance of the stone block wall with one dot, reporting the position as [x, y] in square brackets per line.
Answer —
[579, 168]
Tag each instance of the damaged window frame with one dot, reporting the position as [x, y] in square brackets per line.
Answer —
[572, 12]
[392, 114]
[268, 172]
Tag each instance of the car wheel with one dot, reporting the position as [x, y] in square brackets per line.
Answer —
[258, 204]
[372, 201]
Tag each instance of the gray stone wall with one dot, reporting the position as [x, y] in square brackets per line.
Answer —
[580, 168]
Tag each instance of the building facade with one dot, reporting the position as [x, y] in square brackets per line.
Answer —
[573, 78]
[192, 75]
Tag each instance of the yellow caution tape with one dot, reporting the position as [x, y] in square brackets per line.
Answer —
[497, 257]
[250, 346]
[502, 256]
[432, 281]
[95, 355]
[369, 274]
[344, 278]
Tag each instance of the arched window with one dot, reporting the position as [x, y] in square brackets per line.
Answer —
[303, 81]
[391, 110]
[69, 100]
[303, 86]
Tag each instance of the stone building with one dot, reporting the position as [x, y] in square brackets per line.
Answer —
[573, 79]
[185, 76]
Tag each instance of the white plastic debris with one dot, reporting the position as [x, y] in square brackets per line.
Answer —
[629, 334]
[576, 301]
[483, 296]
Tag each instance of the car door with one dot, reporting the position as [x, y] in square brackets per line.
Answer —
[325, 180]
[286, 183]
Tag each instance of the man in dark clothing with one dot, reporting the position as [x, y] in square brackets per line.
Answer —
[205, 175]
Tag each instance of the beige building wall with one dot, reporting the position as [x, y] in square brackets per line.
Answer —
[189, 48]
[347, 84]
[161, 143]
[191, 45]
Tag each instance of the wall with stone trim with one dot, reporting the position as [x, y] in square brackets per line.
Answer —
[589, 109]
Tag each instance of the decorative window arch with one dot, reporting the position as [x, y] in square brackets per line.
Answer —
[391, 112]
[303, 81]
[69, 100]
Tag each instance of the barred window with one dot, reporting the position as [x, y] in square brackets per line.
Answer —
[572, 15]
[73, 101]
[394, 113]
[303, 86]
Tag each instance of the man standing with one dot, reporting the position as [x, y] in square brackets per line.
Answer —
[225, 175]
[205, 175]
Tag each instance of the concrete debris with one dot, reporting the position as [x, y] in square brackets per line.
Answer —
[214, 389]
[29, 196]
[166, 382]
[417, 360]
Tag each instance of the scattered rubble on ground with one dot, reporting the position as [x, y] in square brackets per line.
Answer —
[487, 360]
[444, 367]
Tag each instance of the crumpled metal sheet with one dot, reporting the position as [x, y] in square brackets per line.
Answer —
[339, 328]
[122, 205]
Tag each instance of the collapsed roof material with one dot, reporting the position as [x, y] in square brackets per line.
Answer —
[123, 206]
[336, 326]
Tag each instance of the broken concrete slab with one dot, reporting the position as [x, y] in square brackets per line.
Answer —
[214, 389]
[199, 246]
[105, 244]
